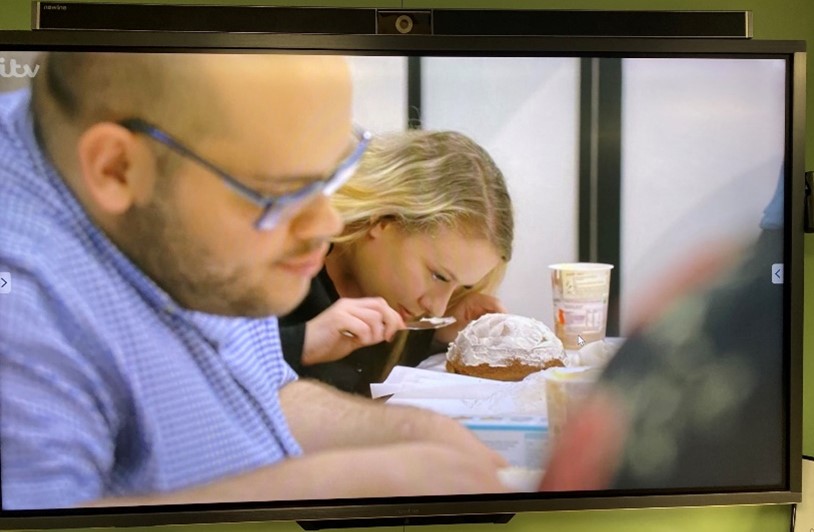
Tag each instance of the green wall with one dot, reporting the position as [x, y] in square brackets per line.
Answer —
[773, 19]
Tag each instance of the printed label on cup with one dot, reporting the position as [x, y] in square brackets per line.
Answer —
[580, 292]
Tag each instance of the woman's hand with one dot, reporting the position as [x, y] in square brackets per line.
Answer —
[347, 325]
[471, 307]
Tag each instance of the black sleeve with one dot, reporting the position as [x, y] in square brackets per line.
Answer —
[321, 295]
[292, 338]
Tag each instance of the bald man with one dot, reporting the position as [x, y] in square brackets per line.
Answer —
[156, 212]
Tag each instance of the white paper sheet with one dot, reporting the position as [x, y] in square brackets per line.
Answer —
[461, 395]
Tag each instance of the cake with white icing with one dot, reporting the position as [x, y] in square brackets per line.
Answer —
[504, 347]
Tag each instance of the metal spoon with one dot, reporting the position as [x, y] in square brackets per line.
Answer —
[430, 323]
[418, 325]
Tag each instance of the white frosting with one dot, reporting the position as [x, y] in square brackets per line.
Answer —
[500, 339]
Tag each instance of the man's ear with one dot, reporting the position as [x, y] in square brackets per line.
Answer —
[115, 168]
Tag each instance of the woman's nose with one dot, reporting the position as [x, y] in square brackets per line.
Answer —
[436, 304]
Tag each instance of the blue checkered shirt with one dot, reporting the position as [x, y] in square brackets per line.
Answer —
[107, 386]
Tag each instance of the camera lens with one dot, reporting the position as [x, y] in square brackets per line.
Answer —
[404, 24]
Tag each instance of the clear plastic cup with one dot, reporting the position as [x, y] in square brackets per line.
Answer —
[565, 390]
[580, 291]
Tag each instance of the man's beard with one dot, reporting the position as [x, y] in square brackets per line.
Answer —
[154, 239]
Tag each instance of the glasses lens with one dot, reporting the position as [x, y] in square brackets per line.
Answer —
[286, 206]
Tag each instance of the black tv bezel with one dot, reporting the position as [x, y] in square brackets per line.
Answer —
[376, 511]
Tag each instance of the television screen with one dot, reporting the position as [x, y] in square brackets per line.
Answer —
[312, 277]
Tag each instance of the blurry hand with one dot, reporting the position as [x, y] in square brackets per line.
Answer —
[471, 307]
[347, 325]
[424, 425]
[401, 469]
[426, 468]
[323, 418]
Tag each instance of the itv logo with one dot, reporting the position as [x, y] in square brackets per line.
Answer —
[13, 69]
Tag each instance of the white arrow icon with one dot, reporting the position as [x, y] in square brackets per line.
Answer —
[580, 341]
[777, 273]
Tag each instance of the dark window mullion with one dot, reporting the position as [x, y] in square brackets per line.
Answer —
[600, 178]
[586, 236]
[414, 92]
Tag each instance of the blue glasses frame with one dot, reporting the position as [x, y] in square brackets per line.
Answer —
[274, 208]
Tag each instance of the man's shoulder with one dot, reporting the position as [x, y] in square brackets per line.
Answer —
[11, 101]
[21, 178]
[29, 238]
[14, 118]
[32, 228]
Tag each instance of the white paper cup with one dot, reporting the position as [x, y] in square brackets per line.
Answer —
[566, 388]
[580, 291]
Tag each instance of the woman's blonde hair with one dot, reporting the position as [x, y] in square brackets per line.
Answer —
[427, 180]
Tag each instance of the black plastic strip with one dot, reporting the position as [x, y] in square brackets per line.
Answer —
[158, 17]
[362, 21]
[586, 23]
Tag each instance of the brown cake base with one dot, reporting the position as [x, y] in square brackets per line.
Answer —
[515, 371]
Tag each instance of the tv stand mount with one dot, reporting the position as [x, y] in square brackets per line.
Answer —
[321, 524]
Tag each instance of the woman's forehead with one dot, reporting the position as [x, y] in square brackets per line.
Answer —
[467, 257]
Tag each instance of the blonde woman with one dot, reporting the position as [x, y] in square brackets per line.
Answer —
[428, 232]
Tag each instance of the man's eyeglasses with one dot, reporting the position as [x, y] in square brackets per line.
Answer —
[274, 208]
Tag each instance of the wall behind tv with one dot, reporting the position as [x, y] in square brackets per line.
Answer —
[786, 19]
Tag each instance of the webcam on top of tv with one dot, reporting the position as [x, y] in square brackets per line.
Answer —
[404, 22]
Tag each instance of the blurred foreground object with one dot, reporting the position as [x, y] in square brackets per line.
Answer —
[703, 383]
